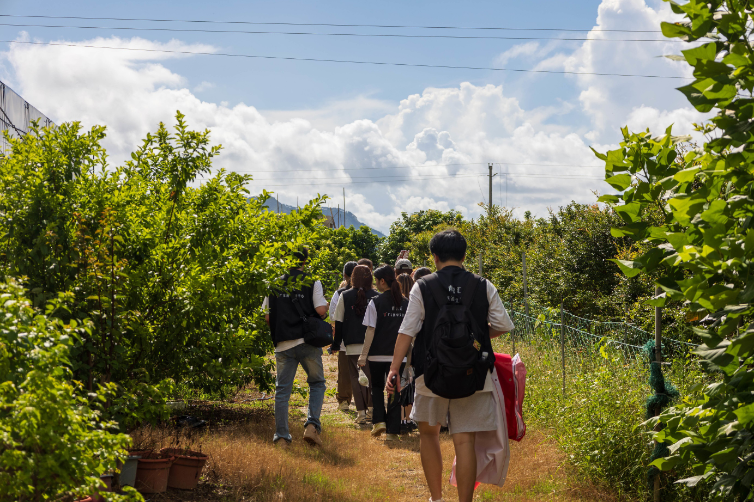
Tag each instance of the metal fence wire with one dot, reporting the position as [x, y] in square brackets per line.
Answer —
[585, 342]
[16, 115]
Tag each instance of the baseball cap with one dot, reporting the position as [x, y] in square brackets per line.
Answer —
[403, 264]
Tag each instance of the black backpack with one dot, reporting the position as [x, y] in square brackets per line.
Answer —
[457, 364]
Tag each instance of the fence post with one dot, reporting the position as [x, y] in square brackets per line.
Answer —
[562, 345]
[526, 296]
[658, 358]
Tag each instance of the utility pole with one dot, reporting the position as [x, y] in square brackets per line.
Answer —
[344, 207]
[277, 197]
[489, 207]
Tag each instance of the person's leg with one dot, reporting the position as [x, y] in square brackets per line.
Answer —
[368, 389]
[431, 456]
[344, 380]
[358, 395]
[393, 419]
[378, 372]
[465, 465]
[311, 361]
[286, 365]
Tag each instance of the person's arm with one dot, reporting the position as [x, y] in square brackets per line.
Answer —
[370, 321]
[402, 344]
[497, 317]
[266, 308]
[340, 311]
[368, 338]
[319, 300]
[333, 304]
[411, 325]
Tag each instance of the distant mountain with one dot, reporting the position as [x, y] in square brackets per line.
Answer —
[337, 214]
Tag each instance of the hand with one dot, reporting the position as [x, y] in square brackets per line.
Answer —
[362, 361]
[389, 387]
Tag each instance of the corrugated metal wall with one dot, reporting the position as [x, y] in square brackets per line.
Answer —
[16, 114]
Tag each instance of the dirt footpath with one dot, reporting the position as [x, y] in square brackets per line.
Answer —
[351, 466]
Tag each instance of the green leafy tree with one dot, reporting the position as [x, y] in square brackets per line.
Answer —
[402, 231]
[171, 274]
[702, 251]
[54, 443]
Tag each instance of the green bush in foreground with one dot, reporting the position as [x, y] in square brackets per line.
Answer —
[53, 444]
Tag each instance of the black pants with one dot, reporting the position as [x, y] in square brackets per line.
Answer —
[392, 418]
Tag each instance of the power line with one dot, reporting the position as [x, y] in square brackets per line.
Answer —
[332, 25]
[365, 35]
[252, 171]
[346, 61]
[395, 180]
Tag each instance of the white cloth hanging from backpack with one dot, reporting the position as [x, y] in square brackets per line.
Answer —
[493, 452]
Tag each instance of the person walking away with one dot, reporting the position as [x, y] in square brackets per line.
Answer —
[350, 330]
[345, 393]
[403, 266]
[420, 272]
[431, 298]
[286, 329]
[367, 263]
[383, 318]
[407, 376]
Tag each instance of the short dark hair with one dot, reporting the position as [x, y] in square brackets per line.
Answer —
[301, 255]
[367, 262]
[421, 272]
[448, 245]
[348, 268]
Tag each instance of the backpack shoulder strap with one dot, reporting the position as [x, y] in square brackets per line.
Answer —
[469, 289]
[300, 310]
[436, 289]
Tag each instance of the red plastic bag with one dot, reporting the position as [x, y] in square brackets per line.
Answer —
[512, 375]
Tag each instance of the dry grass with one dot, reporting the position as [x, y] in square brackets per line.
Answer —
[351, 466]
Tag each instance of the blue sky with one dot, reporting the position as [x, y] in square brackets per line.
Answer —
[336, 123]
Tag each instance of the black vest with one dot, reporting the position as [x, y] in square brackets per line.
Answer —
[453, 279]
[353, 323]
[389, 319]
[285, 322]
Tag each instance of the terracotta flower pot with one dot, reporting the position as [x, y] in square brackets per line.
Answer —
[108, 479]
[186, 469]
[152, 473]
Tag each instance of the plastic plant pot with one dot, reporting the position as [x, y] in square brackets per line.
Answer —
[127, 475]
[152, 473]
[186, 469]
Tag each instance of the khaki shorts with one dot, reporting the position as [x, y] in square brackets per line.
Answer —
[475, 413]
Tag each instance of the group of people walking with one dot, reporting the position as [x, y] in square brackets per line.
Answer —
[386, 338]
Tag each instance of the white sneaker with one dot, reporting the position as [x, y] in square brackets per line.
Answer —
[392, 437]
[343, 406]
[362, 418]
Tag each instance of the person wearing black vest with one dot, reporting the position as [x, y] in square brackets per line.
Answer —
[383, 318]
[467, 415]
[286, 330]
[350, 330]
[345, 393]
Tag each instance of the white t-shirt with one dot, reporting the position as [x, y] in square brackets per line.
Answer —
[318, 298]
[370, 321]
[412, 323]
[333, 306]
[340, 315]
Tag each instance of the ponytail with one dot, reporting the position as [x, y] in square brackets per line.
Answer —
[387, 274]
[361, 280]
